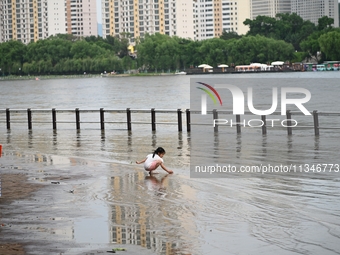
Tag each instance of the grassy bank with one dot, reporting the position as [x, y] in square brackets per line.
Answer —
[45, 77]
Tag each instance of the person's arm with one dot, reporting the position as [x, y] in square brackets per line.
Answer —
[140, 162]
[165, 169]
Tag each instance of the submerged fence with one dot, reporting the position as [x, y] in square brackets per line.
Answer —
[175, 115]
[54, 121]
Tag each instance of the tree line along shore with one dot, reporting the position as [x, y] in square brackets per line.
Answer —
[287, 37]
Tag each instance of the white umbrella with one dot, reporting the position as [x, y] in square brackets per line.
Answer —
[223, 66]
[207, 67]
[203, 65]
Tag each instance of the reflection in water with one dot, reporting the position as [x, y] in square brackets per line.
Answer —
[289, 144]
[316, 146]
[173, 214]
[157, 185]
[55, 139]
[102, 136]
[144, 218]
[78, 139]
[296, 213]
[30, 138]
[238, 144]
[264, 146]
[154, 139]
[8, 135]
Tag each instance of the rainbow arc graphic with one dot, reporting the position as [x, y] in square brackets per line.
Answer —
[212, 93]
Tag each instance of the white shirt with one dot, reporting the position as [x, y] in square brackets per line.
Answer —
[149, 160]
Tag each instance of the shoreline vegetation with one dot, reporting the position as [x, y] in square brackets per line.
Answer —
[77, 76]
[193, 71]
[286, 37]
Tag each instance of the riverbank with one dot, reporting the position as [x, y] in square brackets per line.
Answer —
[115, 204]
[47, 77]
[10, 192]
[39, 210]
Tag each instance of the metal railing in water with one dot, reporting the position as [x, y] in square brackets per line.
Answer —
[176, 115]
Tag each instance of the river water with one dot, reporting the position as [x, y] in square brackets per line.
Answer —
[176, 214]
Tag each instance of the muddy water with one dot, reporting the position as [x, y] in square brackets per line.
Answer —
[103, 199]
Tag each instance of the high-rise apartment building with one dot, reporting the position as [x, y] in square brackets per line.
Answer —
[314, 9]
[307, 9]
[138, 17]
[212, 17]
[31, 20]
[23, 20]
[269, 7]
[209, 18]
[56, 17]
[194, 19]
[81, 17]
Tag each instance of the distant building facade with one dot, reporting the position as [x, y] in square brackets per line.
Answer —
[307, 9]
[138, 17]
[212, 17]
[314, 9]
[81, 17]
[24, 20]
[32, 20]
[269, 7]
[196, 20]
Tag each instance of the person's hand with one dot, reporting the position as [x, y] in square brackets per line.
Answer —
[170, 172]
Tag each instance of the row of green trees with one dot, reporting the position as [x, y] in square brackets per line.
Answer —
[287, 37]
[162, 52]
[306, 37]
[65, 54]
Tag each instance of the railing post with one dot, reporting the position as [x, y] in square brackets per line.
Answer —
[102, 124]
[8, 118]
[153, 119]
[316, 122]
[54, 119]
[29, 118]
[77, 119]
[264, 126]
[179, 120]
[238, 126]
[128, 118]
[215, 116]
[289, 122]
[187, 113]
